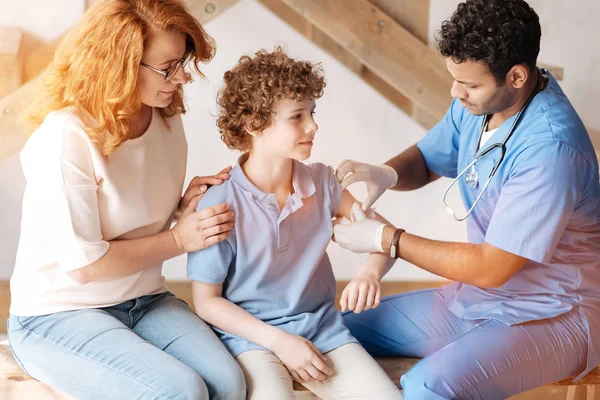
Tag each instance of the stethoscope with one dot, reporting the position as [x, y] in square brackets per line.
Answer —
[472, 177]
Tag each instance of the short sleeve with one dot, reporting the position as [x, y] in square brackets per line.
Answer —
[79, 229]
[440, 146]
[324, 177]
[335, 190]
[538, 200]
[211, 264]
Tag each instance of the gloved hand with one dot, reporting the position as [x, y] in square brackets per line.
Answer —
[361, 236]
[378, 178]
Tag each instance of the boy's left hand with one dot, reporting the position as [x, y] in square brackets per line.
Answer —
[198, 186]
[362, 293]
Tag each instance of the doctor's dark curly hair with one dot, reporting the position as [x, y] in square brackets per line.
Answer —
[254, 85]
[502, 33]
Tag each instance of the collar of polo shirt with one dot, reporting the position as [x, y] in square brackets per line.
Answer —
[304, 186]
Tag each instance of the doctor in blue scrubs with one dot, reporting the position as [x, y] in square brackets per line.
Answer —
[524, 306]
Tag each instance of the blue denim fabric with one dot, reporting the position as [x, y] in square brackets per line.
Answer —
[152, 347]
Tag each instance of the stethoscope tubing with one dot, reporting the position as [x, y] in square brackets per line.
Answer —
[502, 146]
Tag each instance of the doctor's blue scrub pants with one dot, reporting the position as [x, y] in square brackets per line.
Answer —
[469, 359]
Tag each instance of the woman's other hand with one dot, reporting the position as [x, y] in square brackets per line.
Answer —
[196, 230]
[198, 186]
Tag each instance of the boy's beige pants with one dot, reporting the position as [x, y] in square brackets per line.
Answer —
[357, 376]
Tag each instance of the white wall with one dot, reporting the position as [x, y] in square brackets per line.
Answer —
[42, 21]
[355, 122]
[45, 20]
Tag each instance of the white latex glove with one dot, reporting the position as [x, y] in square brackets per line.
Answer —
[362, 236]
[378, 178]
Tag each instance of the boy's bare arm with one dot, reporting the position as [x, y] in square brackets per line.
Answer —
[223, 314]
[376, 262]
[364, 290]
[304, 361]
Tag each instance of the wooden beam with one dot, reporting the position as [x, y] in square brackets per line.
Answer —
[12, 133]
[10, 59]
[314, 34]
[411, 14]
[318, 37]
[389, 50]
[289, 16]
[337, 51]
[394, 96]
[38, 59]
[203, 10]
[206, 10]
[414, 16]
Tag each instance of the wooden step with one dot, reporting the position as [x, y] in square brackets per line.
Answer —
[11, 60]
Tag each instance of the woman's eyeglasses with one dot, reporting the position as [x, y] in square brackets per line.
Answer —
[171, 72]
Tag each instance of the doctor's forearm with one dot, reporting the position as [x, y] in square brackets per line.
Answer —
[411, 169]
[461, 262]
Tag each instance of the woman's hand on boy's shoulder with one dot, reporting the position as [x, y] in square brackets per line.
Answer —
[198, 186]
[198, 230]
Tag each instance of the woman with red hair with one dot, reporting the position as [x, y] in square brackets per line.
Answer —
[90, 313]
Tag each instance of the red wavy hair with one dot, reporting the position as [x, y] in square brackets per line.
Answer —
[95, 68]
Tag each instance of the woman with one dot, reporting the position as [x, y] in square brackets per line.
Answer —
[90, 313]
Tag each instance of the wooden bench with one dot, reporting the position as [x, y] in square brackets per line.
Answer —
[17, 385]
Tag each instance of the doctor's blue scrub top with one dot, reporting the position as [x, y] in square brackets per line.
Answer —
[543, 203]
[274, 264]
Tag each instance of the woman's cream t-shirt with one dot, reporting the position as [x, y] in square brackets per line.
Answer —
[76, 201]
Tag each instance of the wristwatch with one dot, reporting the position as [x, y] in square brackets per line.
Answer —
[395, 245]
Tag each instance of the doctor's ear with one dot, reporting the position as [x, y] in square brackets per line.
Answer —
[518, 75]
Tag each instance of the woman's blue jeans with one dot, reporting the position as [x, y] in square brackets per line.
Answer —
[152, 347]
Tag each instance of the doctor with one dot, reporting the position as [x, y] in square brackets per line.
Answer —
[524, 308]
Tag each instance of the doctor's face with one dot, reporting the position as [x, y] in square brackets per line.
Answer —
[477, 89]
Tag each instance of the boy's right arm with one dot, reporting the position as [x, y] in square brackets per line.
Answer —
[304, 361]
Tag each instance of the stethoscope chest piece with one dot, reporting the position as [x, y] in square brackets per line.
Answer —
[472, 178]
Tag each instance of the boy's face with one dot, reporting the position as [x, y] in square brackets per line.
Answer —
[291, 132]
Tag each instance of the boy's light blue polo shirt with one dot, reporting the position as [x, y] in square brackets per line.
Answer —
[274, 264]
[542, 204]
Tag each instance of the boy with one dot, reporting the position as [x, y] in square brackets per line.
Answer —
[269, 289]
